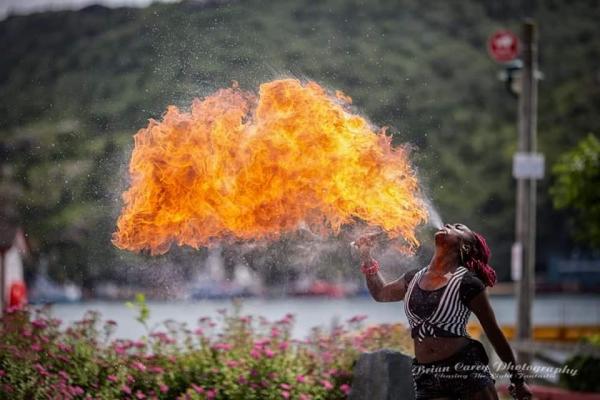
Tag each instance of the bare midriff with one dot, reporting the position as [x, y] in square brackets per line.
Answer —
[433, 349]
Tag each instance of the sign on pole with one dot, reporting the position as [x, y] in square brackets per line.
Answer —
[528, 165]
[516, 264]
[503, 46]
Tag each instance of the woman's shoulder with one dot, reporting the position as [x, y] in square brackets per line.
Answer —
[410, 274]
[471, 285]
[470, 277]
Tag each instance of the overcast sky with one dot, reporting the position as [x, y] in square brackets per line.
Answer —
[26, 6]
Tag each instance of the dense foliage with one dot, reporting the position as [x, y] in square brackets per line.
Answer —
[239, 357]
[576, 187]
[75, 87]
[587, 366]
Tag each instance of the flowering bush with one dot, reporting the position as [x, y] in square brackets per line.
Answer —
[236, 357]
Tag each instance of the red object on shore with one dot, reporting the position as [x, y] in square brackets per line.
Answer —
[323, 288]
[18, 295]
[503, 46]
[554, 393]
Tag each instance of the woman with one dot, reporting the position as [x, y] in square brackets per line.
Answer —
[438, 300]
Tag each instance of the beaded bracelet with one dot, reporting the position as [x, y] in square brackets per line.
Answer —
[516, 377]
[370, 268]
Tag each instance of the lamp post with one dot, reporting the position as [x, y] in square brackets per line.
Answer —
[520, 77]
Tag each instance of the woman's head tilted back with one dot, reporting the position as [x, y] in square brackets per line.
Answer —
[471, 247]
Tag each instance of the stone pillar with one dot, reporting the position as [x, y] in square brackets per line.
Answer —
[383, 375]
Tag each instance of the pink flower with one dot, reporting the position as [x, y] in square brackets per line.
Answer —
[112, 378]
[242, 380]
[223, 346]
[345, 388]
[156, 370]
[283, 346]
[39, 323]
[36, 347]
[139, 366]
[304, 397]
[140, 395]
[261, 342]
[357, 318]
[285, 386]
[163, 388]
[2, 373]
[301, 379]
[126, 389]
[287, 320]
[285, 394]
[275, 332]
[13, 309]
[63, 358]
[41, 370]
[64, 347]
[269, 353]
[76, 390]
[326, 384]
[232, 363]
[254, 353]
[198, 332]
[63, 375]
[198, 389]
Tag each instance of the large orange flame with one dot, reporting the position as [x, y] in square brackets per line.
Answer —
[243, 167]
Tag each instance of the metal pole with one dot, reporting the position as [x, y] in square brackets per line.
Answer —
[526, 188]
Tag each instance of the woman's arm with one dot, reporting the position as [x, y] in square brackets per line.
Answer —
[380, 290]
[480, 305]
[385, 292]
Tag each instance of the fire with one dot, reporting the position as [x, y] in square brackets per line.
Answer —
[255, 167]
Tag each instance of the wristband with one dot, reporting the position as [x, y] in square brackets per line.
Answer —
[370, 268]
[516, 377]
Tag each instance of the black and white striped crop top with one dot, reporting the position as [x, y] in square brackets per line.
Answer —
[443, 312]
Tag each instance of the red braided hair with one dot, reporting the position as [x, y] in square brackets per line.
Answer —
[477, 260]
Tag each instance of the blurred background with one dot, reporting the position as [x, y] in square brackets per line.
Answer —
[78, 78]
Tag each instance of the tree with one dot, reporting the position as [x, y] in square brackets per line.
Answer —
[577, 187]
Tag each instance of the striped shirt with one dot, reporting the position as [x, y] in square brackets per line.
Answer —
[450, 315]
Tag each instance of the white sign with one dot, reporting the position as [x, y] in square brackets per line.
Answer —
[528, 166]
[516, 265]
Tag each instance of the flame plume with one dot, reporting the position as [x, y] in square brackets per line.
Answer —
[246, 167]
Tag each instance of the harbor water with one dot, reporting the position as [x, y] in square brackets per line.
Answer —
[561, 310]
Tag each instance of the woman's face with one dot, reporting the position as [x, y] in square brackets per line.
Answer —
[453, 234]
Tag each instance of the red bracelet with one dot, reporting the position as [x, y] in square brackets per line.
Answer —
[370, 268]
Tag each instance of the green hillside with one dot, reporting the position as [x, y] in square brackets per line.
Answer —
[75, 87]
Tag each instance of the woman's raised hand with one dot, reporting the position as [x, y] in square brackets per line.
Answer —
[364, 244]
